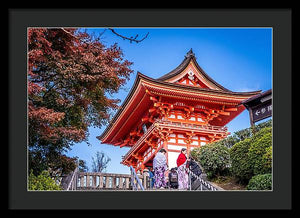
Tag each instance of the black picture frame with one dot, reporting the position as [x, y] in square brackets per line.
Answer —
[281, 22]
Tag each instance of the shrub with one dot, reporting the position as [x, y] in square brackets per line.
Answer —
[262, 132]
[244, 133]
[267, 160]
[260, 145]
[240, 165]
[252, 156]
[42, 182]
[228, 142]
[260, 182]
[214, 158]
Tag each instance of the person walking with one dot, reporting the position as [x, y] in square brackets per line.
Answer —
[151, 177]
[194, 168]
[182, 170]
[160, 166]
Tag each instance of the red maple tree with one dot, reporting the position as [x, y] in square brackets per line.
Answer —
[70, 74]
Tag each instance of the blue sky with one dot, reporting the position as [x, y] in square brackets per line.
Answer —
[240, 59]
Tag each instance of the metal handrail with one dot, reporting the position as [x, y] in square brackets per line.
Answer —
[72, 179]
[202, 181]
[134, 176]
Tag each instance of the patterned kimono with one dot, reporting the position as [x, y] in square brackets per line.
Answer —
[159, 166]
[183, 177]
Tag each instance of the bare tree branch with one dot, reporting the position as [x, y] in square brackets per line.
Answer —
[100, 164]
[131, 39]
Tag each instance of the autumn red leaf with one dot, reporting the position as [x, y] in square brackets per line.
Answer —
[69, 75]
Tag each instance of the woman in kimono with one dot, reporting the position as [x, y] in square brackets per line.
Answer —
[182, 170]
[160, 167]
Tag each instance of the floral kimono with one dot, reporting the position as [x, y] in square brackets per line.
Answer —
[159, 166]
[183, 179]
[182, 172]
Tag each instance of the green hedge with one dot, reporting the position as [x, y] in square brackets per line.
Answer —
[260, 146]
[260, 182]
[262, 132]
[244, 133]
[267, 160]
[240, 166]
[214, 158]
[252, 156]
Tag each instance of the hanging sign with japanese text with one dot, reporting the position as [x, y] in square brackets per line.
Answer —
[262, 111]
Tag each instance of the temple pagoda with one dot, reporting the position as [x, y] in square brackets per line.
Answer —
[184, 108]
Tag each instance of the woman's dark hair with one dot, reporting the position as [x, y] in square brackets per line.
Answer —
[162, 150]
[183, 149]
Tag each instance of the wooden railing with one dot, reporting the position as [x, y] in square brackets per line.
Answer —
[140, 140]
[222, 129]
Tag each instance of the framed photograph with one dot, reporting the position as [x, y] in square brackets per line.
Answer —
[156, 106]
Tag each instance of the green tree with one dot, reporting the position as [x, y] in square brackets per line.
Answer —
[42, 182]
[82, 166]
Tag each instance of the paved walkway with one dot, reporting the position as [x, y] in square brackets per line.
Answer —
[214, 184]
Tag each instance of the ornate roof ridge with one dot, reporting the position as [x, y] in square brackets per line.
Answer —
[179, 68]
[188, 57]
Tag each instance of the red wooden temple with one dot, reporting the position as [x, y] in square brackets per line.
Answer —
[184, 108]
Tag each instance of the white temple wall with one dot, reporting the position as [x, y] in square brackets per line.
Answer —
[172, 158]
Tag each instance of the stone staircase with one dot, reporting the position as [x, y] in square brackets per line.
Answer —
[91, 181]
[101, 181]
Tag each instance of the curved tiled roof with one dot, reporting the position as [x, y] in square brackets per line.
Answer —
[190, 56]
[140, 76]
[162, 81]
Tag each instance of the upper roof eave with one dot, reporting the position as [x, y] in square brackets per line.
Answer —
[258, 96]
[198, 88]
[132, 90]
